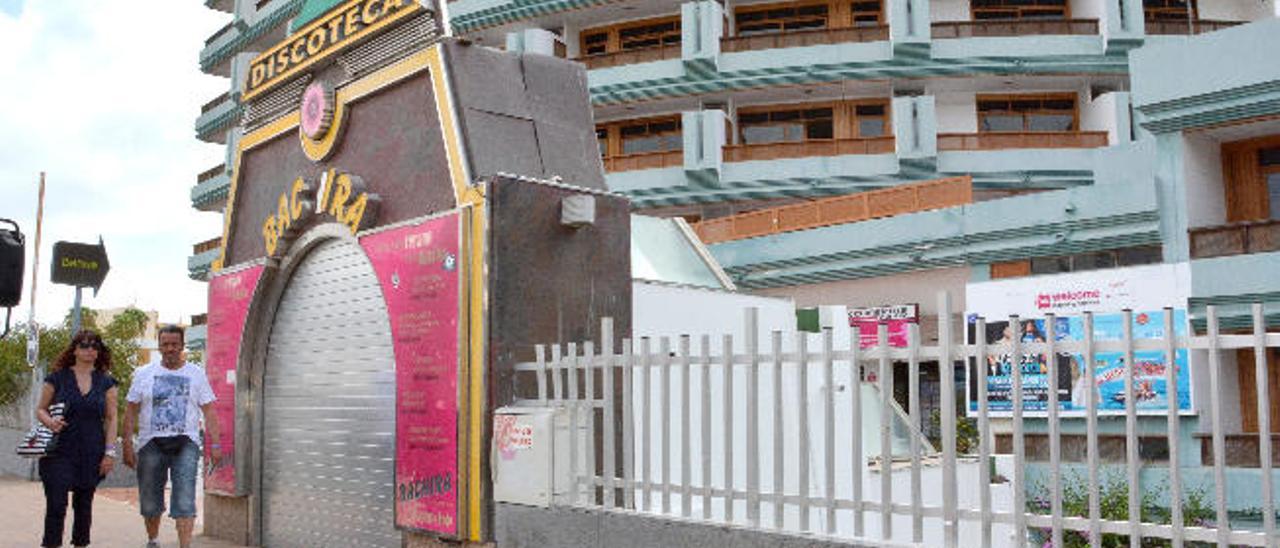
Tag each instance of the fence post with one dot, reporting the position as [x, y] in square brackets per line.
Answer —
[628, 426]
[646, 412]
[779, 490]
[947, 378]
[705, 447]
[664, 377]
[1175, 472]
[886, 441]
[1019, 441]
[1264, 422]
[686, 501]
[984, 430]
[610, 433]
[727, 416]
[1131, 434]
[1055, 432]
[829, 430]
[802, 407]
[1219, 440]
[913, 391]
[855, 440]
[1091, 435]
[752, 344]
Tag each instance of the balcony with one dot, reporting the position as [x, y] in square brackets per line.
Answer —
[992, 28]
[648, 160]
[219, 47]
[216, 117]
[1241, 238]
[228, 6]
[631, 57]
[907, 198]
[1197, 26]
[211, 189]
[817, 37]
[1010, 140]
[199, 264]
[805, 149]
[206, 245]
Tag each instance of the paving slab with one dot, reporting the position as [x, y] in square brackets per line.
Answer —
[116, 522]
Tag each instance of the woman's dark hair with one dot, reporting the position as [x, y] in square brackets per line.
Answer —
[68, 356]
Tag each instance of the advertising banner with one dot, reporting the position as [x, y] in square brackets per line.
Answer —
[1150, 385]
[418, 270]
[229, 297]
[898, 317]
[1145, 290]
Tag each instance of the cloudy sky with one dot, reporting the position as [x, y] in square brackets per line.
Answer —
[102, 95]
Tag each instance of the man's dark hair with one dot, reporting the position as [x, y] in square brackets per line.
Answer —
[172, 329]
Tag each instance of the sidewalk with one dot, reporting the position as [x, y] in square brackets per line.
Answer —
[116, 522]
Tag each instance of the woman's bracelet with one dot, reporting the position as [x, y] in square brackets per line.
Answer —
[215, 446]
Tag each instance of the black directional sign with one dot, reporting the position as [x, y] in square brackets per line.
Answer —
[81, 265]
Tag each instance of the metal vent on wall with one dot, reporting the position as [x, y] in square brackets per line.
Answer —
[415, 34]
[275, 103]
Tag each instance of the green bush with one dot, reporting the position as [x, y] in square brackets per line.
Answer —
[1113, 503]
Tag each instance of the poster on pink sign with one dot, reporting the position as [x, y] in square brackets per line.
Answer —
[418, 271]
[229, 297]
[897, 317]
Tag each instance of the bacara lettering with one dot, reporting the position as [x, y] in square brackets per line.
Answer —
[342, 196]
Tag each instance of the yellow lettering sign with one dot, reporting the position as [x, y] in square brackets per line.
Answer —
[341, 195]
[334, 32]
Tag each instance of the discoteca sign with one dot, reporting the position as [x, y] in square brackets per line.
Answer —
[339, 30]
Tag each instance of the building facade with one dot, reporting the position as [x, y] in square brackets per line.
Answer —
[1062, 137]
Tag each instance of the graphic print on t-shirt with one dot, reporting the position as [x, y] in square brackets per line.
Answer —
[169, 397]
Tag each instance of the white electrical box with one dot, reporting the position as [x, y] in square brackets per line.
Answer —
[530, 455]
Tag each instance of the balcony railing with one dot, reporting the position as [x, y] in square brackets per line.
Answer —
[631, 57]
[804, 38]
[1031, 139]
[1235, 239]
[804, 149]
[207, 245]
[1198, 26]
[211, 173]
[838, 210]
[1015, 27]
[215, 102]
[647, 160]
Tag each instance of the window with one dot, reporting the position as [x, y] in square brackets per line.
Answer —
[651, 33]
[1169, 10]
[639, 137]
[773, 20]
[1026, 113]
[868, 13]
[801, 16]
[872, 120]
[1096, 260]
[987, 10]
[793, 125]
[1269, 159]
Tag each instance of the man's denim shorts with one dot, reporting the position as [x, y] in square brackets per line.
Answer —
[164, 459]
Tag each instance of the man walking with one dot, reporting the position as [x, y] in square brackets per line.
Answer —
[166, 402]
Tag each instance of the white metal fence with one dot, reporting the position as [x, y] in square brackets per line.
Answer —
[772, 437]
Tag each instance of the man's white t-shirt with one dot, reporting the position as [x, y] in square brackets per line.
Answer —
[170, 400]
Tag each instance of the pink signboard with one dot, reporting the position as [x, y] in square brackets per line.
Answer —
[867, 322]
[417, 268]
[229, 298]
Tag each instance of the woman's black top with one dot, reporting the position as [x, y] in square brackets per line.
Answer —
[82, 443]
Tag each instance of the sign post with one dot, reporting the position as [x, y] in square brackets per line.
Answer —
[79, 265]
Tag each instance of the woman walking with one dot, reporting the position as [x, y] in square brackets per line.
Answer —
[86, 433]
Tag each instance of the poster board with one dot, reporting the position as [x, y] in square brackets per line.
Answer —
[418, 269]
[1146, 291]
[230, 294]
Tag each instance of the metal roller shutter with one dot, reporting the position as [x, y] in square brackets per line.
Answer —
[329, 413]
